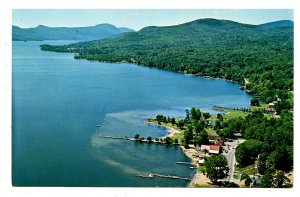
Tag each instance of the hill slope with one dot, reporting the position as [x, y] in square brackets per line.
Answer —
[217, 48]
[66, 33]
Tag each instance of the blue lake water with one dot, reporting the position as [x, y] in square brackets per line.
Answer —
[58, 101]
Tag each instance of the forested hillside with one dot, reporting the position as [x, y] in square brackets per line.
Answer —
[261, 55]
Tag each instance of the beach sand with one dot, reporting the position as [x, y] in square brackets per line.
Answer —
[199, 179]
[172, 132]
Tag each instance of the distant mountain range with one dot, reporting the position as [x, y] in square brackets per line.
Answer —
[42, 32]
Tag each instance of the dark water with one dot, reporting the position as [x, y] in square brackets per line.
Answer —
[58, 101]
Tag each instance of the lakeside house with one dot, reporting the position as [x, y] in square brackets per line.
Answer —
[211, 149]
[214, 149]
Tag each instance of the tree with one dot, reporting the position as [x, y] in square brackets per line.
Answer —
[149, 139]
[217, 124]
[247, 152]
[227, 132]
[216, 168]
[188, 134]
[168, 119]
[261, 163]
[247, 179]
[168, 141]
[180, 123]
[202, 138]
[254, 102]
[136, 136]
[160, 118]
[280, 180]
[206, 115]
[197, 127]
[267, 179]
[187, 116]
[176, 141]
[173, 121]
[195, 113]
[220, 117]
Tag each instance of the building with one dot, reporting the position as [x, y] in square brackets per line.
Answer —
[211, 149]
[214, 149]
[205, 148]
[269, 109]
[215, 139]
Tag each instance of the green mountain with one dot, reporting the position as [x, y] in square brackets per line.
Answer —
[276, 24]
[261, 54]
[42, 32]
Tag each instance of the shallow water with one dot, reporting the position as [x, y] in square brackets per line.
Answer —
[58, 101]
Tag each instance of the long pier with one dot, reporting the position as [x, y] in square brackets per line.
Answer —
[115, 138]
[132, 139]
[183, 162]
[152, 175]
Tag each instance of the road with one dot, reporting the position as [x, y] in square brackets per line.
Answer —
[230, 155]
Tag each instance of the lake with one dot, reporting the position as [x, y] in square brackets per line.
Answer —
[58, 101]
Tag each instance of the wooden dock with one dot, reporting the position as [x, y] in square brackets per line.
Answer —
[133, 139]
[183, 162]
[115, 138]
[152, 175]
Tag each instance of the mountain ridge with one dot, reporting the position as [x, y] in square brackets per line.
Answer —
[42, 32]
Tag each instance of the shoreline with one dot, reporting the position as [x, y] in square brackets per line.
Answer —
[198, 178]
[170, 132]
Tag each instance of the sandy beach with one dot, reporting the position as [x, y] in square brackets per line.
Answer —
[199, 179]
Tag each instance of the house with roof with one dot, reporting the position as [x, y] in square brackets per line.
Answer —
[211, 149]
[214, 149]
[269, 109]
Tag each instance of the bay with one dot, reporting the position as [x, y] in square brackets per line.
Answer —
[58, 101]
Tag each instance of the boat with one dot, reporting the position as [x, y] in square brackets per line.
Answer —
[98, 125]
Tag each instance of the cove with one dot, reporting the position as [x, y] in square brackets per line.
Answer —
[57, 102]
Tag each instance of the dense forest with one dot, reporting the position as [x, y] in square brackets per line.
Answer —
[259, 55]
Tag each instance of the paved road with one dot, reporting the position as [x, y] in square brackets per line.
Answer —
[230, 155]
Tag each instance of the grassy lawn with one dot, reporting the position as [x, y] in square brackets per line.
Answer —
[202, 169]
[210, 131]
[234, 114]
[203, 186]
[178, 136]
[250, 170]
[261, 106]
[162, 124]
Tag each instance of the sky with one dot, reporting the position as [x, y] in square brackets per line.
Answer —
[137, 19]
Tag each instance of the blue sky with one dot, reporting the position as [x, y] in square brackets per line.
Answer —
[137, 19]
